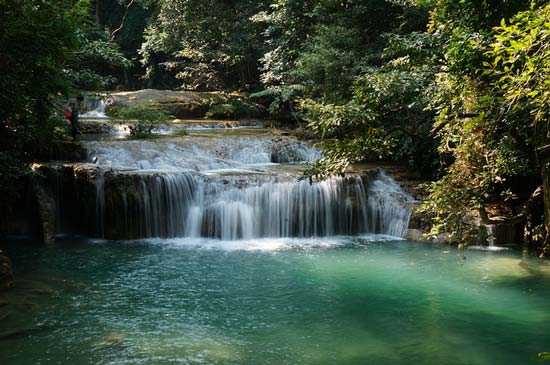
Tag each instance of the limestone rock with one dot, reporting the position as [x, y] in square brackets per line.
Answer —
[181, 104]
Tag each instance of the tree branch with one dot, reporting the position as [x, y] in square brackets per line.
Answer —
[114, 32]
[525, 210]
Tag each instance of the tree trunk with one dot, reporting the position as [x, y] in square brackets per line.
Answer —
[545, 172]
[97, 13]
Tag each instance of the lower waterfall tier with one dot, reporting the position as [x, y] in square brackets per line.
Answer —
[133, 205]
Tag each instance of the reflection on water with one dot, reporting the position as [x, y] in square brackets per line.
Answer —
[338, 300]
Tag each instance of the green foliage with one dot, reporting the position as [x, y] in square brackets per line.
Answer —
[207, 44]
[542, 356]
[490, 119]
[180, 132]
[520, 64]
[37, 41]
[287, 25]
[331, 62]
[222, 110]
[97, 56]
[233, 107]
[141, 119]
[280, 100]
[387, 115]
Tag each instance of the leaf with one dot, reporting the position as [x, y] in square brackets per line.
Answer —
[542, 356]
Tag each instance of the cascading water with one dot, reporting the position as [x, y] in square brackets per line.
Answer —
[388, 206]
[279, 209]
[187, 204]
[96, 109]
[233, 187]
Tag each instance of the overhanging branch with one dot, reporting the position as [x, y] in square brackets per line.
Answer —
[122, 21]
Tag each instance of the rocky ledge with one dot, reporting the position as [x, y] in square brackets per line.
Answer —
[188, 104]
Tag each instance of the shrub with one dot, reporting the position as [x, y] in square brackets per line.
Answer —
[232, 108]
[141, 119]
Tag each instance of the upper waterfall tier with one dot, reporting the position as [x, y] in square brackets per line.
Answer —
[199, 153]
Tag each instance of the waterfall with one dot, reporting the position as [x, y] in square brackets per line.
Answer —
[96, 109]
[187, 204]
[387, 202]
[284, 209]
[159, 207]
[230, 188]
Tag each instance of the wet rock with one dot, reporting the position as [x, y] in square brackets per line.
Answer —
[93, 127]
[288, 151]
[46, 213]
[501, 234]
[6, 273]
[415, 234]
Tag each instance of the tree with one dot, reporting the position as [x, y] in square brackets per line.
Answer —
[123, 22]
[520, 68]
[46, 53]
[486, 118]
[207, 44]
[387, 115]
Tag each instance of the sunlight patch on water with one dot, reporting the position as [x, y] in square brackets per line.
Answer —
[488, 248]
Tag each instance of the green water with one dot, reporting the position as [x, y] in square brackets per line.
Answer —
[330, 301]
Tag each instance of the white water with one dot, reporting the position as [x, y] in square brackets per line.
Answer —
[235, 207]
[97, 110]
[262, 244]
[388, 206]
[230, 188]
[197, 153]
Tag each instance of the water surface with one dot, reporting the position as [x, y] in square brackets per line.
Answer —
[340, 300]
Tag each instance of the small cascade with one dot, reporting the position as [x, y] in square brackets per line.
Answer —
[96, 109]
[286, 209]
[202, 154]
[154, 206]
[388, 205]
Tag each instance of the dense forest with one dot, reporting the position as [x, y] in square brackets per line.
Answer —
[457, 89]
